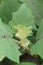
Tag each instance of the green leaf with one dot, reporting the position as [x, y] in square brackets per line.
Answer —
[39, 34]
[37, 7]
[5, 30]
[6, 9]
[27, 63]
[9, 49]
[37, 48]
[22, 17]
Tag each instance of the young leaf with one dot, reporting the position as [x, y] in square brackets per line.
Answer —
[23, 31]
[22, 34]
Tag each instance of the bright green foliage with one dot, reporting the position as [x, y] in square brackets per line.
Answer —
[8, 48]
[38, 48]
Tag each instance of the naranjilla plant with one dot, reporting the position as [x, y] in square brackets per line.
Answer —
[21, 32]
